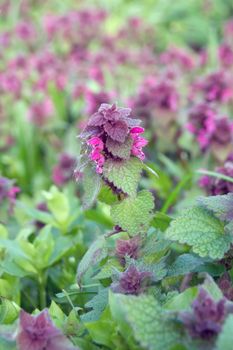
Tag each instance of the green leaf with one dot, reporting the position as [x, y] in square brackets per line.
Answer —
[224, 341]
[91, 186]
[3, 232]
[107, 269]
[150, 325]
[36, 214]
[12, 268]
[58, 204]
[102, 331]
[123, 326]
[198, 228]
[44, 246]
[106, 195]
[134, 213]
[123, 174]
[97, 304]
[9, 311]
[150, 171]
[99, 216]
[62, 246]
[96, 252]
[120, 150]
[221, 206]
[183, 300]
[212, 288]
[56, 314]
[161, 221]
[13, 248]
[73, 326]
[155, 247]
[184, 264]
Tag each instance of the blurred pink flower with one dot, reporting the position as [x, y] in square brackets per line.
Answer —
[41, 111]
[26, 31]
[202, 120]
[215, 87]
[38, 332]
[214, 186]
[226, 55]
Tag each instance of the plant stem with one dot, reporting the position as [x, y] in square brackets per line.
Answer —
[42, 290]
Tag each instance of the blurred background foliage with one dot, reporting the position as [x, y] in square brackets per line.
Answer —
[191, 22]
[195, 25]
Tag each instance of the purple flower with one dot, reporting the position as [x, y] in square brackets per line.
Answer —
[138, 142]
[216, 186]
[39, 333]
[156, 94]
[132, 281]
[202, 123]
[205, 319]
[228, 29]
[41, 111]
[127, 247]
[108, 130]
[97, 74]
[216, 87]
[226, 55]
[96, 154]
[112, 120]
[223, 132]
[64, 170]
[179, 56]
[25, 31]
[10, 83]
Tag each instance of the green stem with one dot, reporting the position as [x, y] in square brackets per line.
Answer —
[42, 290]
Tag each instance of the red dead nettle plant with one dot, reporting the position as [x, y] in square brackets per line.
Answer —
[111, 163]
[136, 278]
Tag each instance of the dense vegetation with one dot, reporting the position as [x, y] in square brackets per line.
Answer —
[116, 175]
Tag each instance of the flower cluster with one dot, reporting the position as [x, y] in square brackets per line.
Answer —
[223, 132]
[96, 155]
[209, 128]
[226, 55]
[202, 123]
[131, 281]
[127, 247]
[41, 111]
[206, 318]
[110, 129]
[38, 332]
[216, 186]
[156, 94]
[216, 87]
[177, 55]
